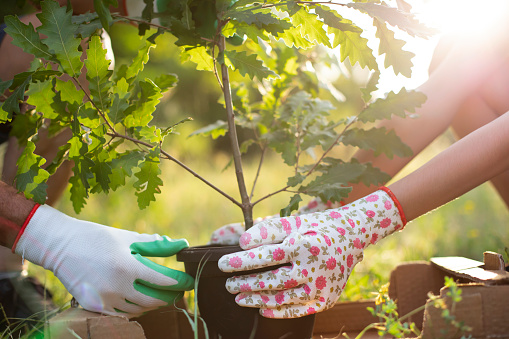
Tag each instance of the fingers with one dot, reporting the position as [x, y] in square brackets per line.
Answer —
[227, 235]
[278, 279]
[274, 298]
[161, 247]
[270, 231]
[152, 296]
[163, 277]
[293, 311]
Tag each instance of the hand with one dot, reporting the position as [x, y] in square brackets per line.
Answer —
[322, 249]
[227, 234]
[230, 234]
[104, 268]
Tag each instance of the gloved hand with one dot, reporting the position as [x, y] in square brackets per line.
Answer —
[104, 268]
[322, 249]
[230, 234]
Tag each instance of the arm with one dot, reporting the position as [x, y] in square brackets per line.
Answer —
[14, 210]
[468, 163]
[449, 86]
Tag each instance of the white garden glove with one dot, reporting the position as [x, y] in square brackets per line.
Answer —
[322, 249]
[230, 234]
[104, 268]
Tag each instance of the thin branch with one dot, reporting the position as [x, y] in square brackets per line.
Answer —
[315, 165]
[170, 157]
[101, 113]
[141, 21]
[214, 60]
[264, 150]
[331, 147]
[150, 24]
[232, 133]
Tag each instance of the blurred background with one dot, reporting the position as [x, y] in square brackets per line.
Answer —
[186, 208]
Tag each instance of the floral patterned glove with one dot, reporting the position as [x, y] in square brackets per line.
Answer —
[230, 234]
[321, 249]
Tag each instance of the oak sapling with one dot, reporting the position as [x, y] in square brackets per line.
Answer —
[270, 48]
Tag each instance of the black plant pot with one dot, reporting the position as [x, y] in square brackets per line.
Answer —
[217, 306]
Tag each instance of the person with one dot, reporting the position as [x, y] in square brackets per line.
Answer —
[323, 247]
[22, 296]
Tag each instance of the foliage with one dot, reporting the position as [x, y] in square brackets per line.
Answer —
[266, 46]
[392, 324]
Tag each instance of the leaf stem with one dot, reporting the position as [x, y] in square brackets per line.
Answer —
[247, 207]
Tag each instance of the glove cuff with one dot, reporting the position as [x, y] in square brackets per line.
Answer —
[397, 203]
[22, 230]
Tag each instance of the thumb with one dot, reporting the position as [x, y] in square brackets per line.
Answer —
[162, 247]
[270, 231]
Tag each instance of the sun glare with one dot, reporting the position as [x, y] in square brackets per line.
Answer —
[472, 21]
[463, 17]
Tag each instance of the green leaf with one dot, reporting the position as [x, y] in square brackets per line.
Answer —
[258, 17]
[30, 177]
[150, 133]
[58, 159]
[371, 86]
[292, 37]
[98, 72]
[310, 27]
[104, 14]
[395, 56]
[141, 113]
[293, 205]
[123, 166]
[333, 19]
[38, 75]
[330, 185]
[372, 176]
[249, 65]
[139, 61]
[166, 81]
[102, 171]
[297, 179]
[25, 37]
[394, 17]
[117, 110]
[215, 130]
[68, 92]
[148, 183]
[41, 95]
[78, 193]
[11, 104]
[397, 104]
[355, 47]
[378, 140]
[201, 58]
[57, 25]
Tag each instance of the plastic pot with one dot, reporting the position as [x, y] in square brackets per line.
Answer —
[226, 319]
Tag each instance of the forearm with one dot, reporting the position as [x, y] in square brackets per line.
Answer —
[446, 90]
[468, 163]
[14, 209]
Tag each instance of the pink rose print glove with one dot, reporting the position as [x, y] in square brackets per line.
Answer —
[227, 234]
[230, 234]
[319, 249]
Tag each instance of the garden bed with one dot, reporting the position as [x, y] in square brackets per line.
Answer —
[484, 307]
